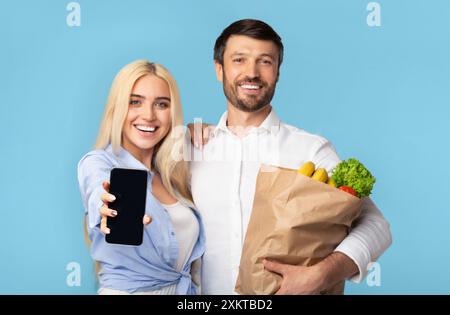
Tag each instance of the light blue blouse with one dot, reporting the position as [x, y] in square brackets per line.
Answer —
[150, 266]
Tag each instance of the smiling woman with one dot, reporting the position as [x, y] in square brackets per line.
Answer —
[148, 119]
[136, 132]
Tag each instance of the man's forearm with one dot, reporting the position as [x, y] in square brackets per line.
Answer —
[337, 267]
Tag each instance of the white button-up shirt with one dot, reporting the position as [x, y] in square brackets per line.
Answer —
[223, 186]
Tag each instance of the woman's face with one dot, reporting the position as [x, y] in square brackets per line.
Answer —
[148, 120]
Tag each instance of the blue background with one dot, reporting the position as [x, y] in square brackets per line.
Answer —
[380, 94]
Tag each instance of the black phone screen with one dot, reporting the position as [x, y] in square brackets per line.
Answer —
[129, 186]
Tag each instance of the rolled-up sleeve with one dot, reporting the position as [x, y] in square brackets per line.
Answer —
[368, 239]
[93, 169]
[370, 235]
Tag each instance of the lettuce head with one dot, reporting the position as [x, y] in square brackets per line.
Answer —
[353, 173]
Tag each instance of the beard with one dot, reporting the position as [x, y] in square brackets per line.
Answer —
[248, 103]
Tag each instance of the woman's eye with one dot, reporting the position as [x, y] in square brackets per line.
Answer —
[162, 105]
[135, 102]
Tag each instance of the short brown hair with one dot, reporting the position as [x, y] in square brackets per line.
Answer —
[253, 28]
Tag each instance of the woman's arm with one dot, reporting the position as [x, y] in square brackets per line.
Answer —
[93, 170]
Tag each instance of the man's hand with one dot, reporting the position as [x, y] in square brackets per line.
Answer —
[200, 133]
[297, 279]
[314, 279]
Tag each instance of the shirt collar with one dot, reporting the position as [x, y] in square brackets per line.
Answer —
[270, 124]
[127, 159]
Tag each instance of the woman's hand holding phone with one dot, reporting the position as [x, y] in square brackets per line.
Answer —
[107, 212]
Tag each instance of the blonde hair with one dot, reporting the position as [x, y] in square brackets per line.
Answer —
[168, 158]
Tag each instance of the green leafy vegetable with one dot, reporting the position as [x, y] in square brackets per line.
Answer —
[353, 173]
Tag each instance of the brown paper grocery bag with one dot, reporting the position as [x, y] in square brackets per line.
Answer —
[295, 220]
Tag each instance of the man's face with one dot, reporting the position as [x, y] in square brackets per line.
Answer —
[249, 73]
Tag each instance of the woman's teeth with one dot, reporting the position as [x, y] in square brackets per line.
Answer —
[146, 128]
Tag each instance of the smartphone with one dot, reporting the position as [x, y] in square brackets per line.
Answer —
[129, 186]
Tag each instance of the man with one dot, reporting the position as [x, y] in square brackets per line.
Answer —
[247, 58]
